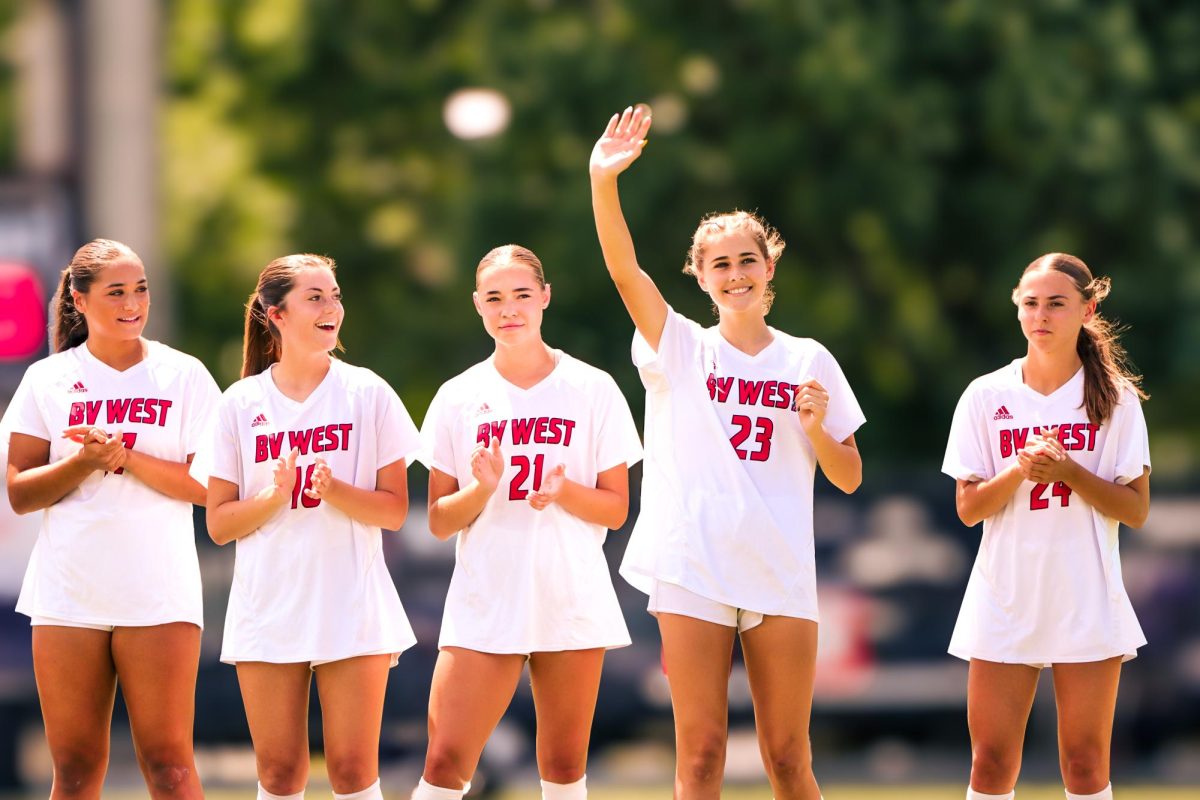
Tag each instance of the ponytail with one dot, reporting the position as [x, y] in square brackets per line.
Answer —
[261, 345]
[68, 328]
[1106, 369]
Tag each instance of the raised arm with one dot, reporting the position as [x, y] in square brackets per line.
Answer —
[615, 150]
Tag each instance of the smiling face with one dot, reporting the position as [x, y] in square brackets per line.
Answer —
[117, 302]
[1051, 310]
[510, 299]
[735, 272]
[311, 313]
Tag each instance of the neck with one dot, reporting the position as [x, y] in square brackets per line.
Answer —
[1045, 371]
[747, 332]
[298, 373]
[120, 354]
[524, 364]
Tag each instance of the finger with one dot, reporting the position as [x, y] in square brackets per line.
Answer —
[495, 447]
[292, 456]
[623, 124]
[611, 129]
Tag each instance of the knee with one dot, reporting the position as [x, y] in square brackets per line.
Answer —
[77, 772]
[993, 766]
[562, 767]
[446, 767]
[169, 770]
[351, 772]
[1084, 766]
[282, 775]
[788, 762]
[702, 761]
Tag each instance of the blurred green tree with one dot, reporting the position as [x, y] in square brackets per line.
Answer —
[915, 155]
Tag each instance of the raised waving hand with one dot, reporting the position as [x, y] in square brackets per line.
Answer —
[618, 147]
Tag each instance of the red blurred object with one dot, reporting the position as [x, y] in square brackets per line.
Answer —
[22, 312]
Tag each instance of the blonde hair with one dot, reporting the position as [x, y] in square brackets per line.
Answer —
[1106, 370]
[512, 254]
[717, 224]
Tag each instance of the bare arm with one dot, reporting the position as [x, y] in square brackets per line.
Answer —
[166, 477]
[978, 500]
[385, 506]
[34, 483]
[607, 503]
[451, 507]
[1050, 462]
[840, 461]
[617, 148]
[230, 518]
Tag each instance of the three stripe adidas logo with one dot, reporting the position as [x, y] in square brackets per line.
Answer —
[78, 388]
[1002, 413]
[261, 419]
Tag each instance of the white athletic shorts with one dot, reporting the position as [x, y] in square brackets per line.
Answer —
[68, 623]
[670, 598]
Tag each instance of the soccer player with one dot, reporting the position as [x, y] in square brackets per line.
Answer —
[1051, 453]
[307, 466]
[529, 453]
[101, 433]
[738, 417]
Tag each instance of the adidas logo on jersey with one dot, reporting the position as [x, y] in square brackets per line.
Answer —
[1002, 413]
[483, 409]
[78, 388]
[261, 419]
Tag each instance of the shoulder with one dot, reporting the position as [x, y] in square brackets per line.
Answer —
[53, 365]
[166, 355]
[582, 375]
[245, 391]
[1001, 380]
[466, 382]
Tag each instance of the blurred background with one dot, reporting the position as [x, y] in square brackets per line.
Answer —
[916, 156]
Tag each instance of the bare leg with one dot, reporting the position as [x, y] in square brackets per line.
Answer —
[565, 686]
[1086, 695]
[999, 698]
[276, 700]
[781, 657]
[352, 693]
[470, 693]
[77, 684]
[696, 654]
[156, 666]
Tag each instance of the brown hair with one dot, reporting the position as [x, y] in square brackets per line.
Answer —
[68, 328]
[261, 346]
[512, 254]
[1106, 371]
[769, 242]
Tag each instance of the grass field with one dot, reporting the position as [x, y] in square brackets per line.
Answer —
[832, 792]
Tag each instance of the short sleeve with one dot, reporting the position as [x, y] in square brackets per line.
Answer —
[966, 450]
[395, 432]
[437, 436]
[844, 416]
[200, 409]
[24, 415]
[1132, 439]
[677, 345]
[617, 436]
[220, 456]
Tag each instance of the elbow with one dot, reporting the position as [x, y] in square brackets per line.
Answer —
[968, 516]
[20, 502]
[850, 485]
[440, 530]
[219, 537]
[1138, 518]
[618, 518]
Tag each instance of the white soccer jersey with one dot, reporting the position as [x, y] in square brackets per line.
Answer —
[525, 580]
[113, 551]
[311, 584]
[727, 488]
[1046, 586]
